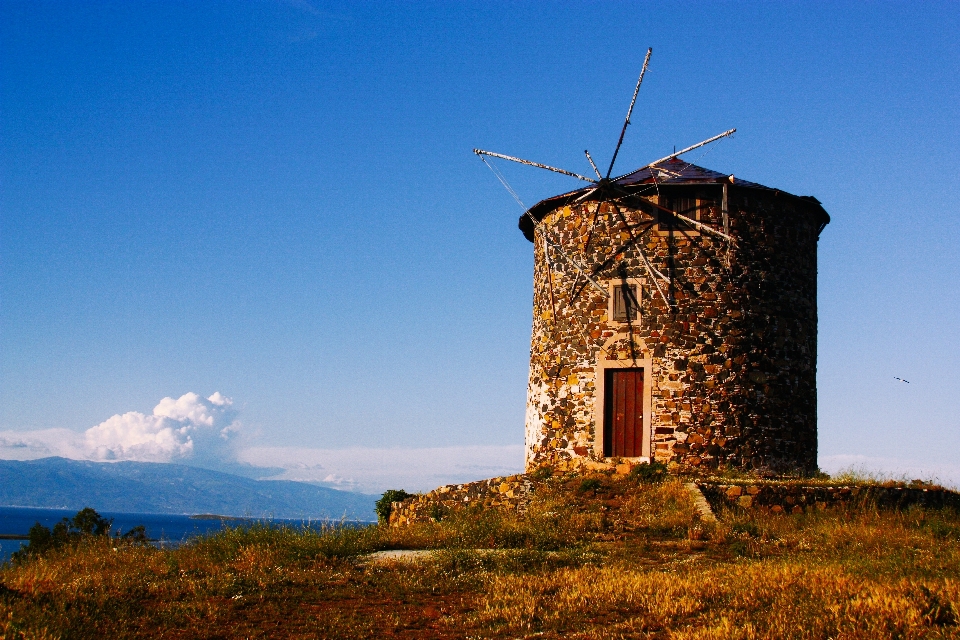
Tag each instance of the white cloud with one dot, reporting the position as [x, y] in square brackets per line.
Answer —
[375, 470]
[189, 429]
[43, 443]
[204, 432]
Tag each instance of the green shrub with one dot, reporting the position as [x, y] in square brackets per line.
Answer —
[589, 484]
[740, 548]
[437, 512]
[651, 473]
[543, 473]
[747, 528]
[944, 531]
[89, 522]
[85, 523]
[388, 498]
[137, 535]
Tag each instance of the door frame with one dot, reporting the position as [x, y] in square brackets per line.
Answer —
[599, 411]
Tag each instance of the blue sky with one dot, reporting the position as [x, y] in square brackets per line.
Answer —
[277, 201]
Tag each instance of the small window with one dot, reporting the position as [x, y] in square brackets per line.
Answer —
[685, 206]
[626, 303]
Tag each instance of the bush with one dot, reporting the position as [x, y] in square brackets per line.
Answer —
[437, 512]
[137, 535]
[589, 484]
[388, 498]
[86, 523]
[943, 531]
[747, 528]
[89, 522]
[651, 473]
[542, 473]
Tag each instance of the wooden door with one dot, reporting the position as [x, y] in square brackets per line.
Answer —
[623, 413]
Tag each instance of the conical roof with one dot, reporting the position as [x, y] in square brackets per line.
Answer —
[676, 170]
[671, 172]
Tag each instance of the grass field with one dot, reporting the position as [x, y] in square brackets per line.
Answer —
[594, 557]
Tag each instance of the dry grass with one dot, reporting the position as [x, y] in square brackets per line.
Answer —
[781, 599]
[604, 559]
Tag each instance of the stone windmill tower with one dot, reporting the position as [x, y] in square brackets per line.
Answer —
[675, 319]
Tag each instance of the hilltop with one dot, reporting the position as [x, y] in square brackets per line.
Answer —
[592, 556]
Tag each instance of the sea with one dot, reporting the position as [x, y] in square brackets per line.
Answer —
[163, 529]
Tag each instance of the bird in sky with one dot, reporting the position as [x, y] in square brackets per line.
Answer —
[901, 379]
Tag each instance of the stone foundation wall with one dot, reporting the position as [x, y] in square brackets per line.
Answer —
[509, 493]
[787, 497]
[512, 493]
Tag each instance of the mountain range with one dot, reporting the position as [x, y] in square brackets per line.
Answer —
[148, 487]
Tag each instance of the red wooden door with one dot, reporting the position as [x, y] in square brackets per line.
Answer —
[623, 430]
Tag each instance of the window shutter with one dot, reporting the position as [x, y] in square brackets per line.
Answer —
[625, 303]
[686, 207]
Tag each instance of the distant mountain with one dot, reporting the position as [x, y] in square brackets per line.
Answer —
[147, 487]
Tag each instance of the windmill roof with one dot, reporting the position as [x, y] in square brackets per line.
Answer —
[673, 172]
[676, 170]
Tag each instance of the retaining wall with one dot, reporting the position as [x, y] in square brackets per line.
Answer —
[788, 497]
[513, 493]
[509, 493]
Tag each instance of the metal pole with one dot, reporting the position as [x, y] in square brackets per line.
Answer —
[703, 227]
[691, 221]
[683, 151]
[576, 266]
[534, 221]
[593, 164]
[653, 278]
[646, 61]
[481, 152]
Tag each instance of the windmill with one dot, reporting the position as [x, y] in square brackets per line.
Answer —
[616, 192]
[718, 365]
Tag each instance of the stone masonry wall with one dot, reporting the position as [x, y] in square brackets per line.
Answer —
[733, 362]
[510, 493]
[513, 494]
[774, 497]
